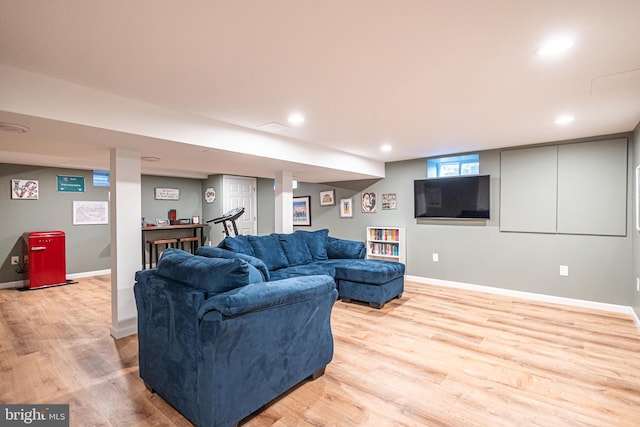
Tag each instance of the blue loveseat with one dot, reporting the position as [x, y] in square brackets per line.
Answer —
[305, 253]
[218, 342]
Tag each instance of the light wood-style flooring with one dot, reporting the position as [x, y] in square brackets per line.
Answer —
[435, 357]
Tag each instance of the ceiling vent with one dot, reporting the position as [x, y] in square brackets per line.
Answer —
[272, 127]
[13, 128]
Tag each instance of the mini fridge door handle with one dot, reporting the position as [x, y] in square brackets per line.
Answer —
[38, 248]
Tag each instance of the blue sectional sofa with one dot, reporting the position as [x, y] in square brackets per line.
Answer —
[217, 341]
[305, 253]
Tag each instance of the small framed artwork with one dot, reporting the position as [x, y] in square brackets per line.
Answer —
[346, 208]
[327, 198]
[88, 213]
[209, 195]
[163, 222]
[184, 221]
[389, 201]
[369, 202]
[24, 189]
[302, 210]
[167, 193]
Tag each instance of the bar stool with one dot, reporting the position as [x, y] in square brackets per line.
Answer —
[153, 247]
[193, 243]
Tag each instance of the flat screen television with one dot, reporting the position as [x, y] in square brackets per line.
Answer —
[453, 197]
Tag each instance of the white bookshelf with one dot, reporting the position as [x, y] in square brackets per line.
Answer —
[386, 243]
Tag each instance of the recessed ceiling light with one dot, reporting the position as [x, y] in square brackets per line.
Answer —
[555, 46]
[296, 119]
[564, 120]
[13, 128]
[385, 148]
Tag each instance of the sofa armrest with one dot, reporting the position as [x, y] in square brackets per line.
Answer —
[265, 295]
[345, 249]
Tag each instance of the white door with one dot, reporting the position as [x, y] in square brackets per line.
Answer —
[240, 191]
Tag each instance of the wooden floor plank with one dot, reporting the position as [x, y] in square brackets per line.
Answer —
[436, 357]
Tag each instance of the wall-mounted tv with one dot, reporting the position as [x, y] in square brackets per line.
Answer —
[453, 197]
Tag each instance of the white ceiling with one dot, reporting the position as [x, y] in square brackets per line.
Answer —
[428, 77]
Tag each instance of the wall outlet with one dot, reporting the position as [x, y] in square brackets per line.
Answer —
[564, 270]
[15, 260]
[435, 257]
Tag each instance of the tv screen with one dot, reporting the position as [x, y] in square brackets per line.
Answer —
[454, 197]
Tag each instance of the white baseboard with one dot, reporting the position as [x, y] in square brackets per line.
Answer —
[20, 283]
[12, 285]
[124, 328]
[527, 295]
[635, 318]
[89, 274]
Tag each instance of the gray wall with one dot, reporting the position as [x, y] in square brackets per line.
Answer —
[600, 267]
[88, 246]
[266, 197]
[213, 210]
[635, 303]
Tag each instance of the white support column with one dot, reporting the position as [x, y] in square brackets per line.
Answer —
[126, 255]
[284, 202]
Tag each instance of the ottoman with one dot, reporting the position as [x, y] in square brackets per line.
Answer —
[371, 281]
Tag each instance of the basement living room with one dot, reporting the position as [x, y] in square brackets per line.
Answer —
[525, 312]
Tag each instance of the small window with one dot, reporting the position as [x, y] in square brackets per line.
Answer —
[468, 164]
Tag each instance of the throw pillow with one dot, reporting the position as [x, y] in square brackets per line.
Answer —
[239, 244]
[269, 250]
[317, 243]
[295, 248]
[212, 252]
[212, 275]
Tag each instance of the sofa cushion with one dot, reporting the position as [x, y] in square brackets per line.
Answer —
[311, 269]
[282, 292]
[370, 271]
[345, 249]
[239, 244]
[213, 252]
[269, 250]
[317, 243]
[295, 248]
[211, 275]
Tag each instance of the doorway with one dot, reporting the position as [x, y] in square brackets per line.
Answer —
[240, 191]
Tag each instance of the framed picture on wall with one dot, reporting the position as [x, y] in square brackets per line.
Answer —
[346, 208]
[369, 202]
[90, 213]
[161, 193]
[302, 210]
[389, 201]
[24, 189]
[327, 198]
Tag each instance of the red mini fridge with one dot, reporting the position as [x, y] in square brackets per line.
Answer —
[44, 259]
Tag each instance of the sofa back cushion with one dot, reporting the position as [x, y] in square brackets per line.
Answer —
[269, 250]
[345, 249]
[316, 242]
[213, 252]
[211, 275]
[295, 248]
[239, 244]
